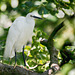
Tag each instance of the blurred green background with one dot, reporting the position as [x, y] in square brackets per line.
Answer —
[53, 12]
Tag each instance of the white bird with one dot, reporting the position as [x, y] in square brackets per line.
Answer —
[19, 33]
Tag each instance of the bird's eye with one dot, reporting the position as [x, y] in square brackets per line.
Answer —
[30, 15]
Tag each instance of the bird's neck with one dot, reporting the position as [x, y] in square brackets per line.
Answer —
[30, 21]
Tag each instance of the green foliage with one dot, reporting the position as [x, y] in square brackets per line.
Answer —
[42, 10]
[37, 54]
[66, 69]
[71, 48]
[2, 43]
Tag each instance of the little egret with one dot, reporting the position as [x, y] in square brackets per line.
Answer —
[19, 33]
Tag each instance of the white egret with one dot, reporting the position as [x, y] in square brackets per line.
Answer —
[19, 33]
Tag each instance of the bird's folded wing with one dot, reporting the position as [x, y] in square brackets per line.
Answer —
[11, 39]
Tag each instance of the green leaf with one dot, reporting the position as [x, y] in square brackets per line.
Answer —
[29, 4]
[42, 10]
[50, 1]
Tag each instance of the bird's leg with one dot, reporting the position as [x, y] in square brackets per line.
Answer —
[9, 60]
[15, 59]
[24, 56]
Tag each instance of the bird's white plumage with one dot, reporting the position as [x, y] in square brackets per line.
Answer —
[19, 33]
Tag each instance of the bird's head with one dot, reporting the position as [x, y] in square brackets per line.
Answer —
[32, 16]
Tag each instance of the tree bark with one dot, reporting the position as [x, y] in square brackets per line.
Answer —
[10, 70]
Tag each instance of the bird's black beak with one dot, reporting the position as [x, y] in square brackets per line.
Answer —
[36, 17]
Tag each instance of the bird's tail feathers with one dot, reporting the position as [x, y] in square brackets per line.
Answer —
[9, 50]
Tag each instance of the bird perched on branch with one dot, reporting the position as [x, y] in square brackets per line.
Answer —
[19, 33]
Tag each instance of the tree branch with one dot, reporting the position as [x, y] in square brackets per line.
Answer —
[67, 56]
[54, 67]
[10, 70]
[55, 31]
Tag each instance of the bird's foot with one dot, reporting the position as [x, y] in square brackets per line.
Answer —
[15, 65]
